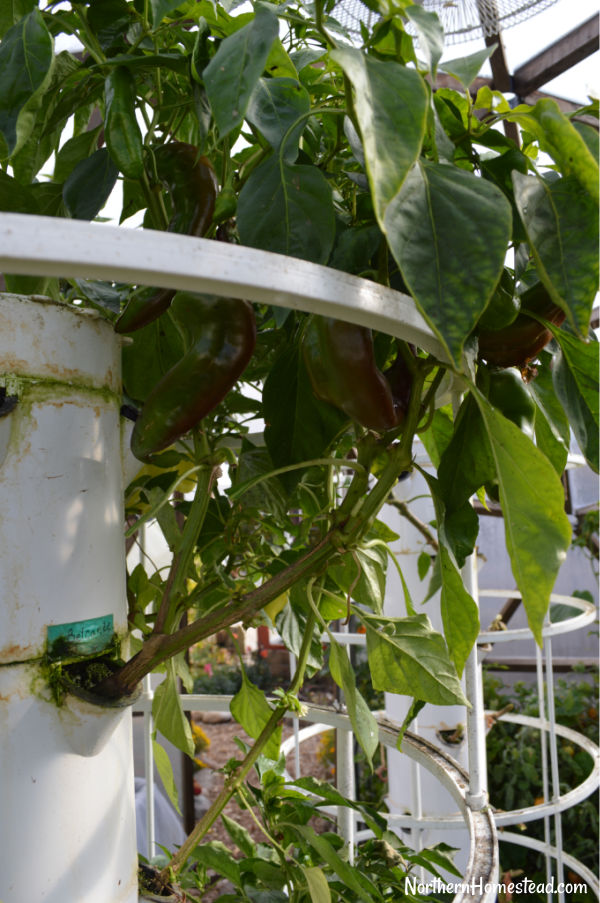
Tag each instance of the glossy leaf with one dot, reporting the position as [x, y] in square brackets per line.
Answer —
[537, 529]
[168, 714]
[448, 231]
[575, 377]
[26, 58]
[274, 107]
[407, 656]
[232, 74]
[287, 209]
[391, 104]
[90, 184]
[364, 724]
[430, 33]
[250, 708]
[561, 221]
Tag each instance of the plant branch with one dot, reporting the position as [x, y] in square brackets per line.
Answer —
[405, 511]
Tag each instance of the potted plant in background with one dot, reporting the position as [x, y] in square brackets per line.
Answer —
[269, 128]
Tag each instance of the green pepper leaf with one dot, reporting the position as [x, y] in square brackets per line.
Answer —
[165, 771]
[13, 10]
[299, 426]
[90, 184]
[168, 714]
[288, 209]
[448, 231]
[407, 656]
[215, 855]
[232, 74]
[466, 68]
[537, 529]
[73, 152]
[361, 717]
[251, 710]
[552, 431]
[318, 886]
[575, 377]
[274, 106]
[351, 877]
[431, 35]
[162, 8]
[561, 221]
[467, 462]
[121, 130]
[391, 104]
[26, 58]
[559, 138]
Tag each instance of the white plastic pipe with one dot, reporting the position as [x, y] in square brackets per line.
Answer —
[67, 822]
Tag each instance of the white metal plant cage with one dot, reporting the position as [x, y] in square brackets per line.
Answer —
[51, 247]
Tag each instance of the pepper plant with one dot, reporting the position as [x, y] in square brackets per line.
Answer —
[268, 125]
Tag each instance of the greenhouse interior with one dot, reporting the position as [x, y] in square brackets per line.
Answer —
[299, 543]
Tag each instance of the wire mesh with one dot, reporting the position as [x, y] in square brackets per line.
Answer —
[462, 20]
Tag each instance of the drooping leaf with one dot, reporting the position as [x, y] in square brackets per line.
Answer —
[537, 529]
[318, 887]
[466, 69]
[299, 427]
[552, 431]
[288, 209]
[168, 714]
[561, 221]
[448, 231]
[437, 437]
[154, 350]
[391, 105]
[250, 708]
[275, 105]
[232, 74]
[90, 184]
[575, 377]
[363, 720]
[430, 34]
[460, 615]
[26, 58]
[467, 462]
[165, 771]
[407, 656]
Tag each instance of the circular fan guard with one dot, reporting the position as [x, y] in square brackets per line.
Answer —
[462, 20]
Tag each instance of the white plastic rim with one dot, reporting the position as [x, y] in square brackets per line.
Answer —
[483, 855]
[50, 246]
[576, 622]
